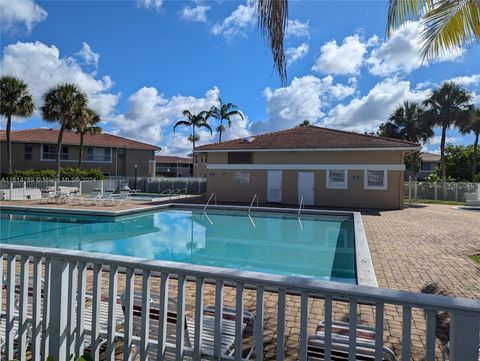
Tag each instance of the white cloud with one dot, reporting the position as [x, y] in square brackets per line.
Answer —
[88, 55]
[341, 59]
[297, 28]
[25, 12]
[367, 112]
[151, 117]
[435, 140]
[197, 13]
[467, 80]
[150, 4]
[402, 52]
[42, 67]
[294, 54]
[242, 18]
[303, 99]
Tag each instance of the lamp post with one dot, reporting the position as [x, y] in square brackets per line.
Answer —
[136, 166]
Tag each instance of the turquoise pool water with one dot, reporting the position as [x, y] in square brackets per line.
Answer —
[315, 246]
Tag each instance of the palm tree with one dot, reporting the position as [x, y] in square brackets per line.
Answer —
[448, 105]
[408, 122]
[224, 112]
[448, 25]
[15, 101]
[195, 121]
[473, 125]
[85, 124]
[62, 104]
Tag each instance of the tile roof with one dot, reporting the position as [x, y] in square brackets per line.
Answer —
[308, 137]
[45, 135]
[172, 159]
[430, 157]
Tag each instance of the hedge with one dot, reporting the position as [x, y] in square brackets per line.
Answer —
[65, 173]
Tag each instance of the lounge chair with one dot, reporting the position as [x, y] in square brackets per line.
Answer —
[93, 199]
[107, 199]
[365, 345]
[208, 334]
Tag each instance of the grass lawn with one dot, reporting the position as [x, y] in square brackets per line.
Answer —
[476, 258]
[431, 201]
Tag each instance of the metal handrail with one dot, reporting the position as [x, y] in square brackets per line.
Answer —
[301, 204]
[209, 199]
[253, 200]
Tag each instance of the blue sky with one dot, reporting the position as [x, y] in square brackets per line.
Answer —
[143, 62]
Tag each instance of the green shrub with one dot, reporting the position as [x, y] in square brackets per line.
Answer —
[65, 173]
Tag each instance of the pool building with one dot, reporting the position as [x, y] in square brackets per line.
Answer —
[324, 167]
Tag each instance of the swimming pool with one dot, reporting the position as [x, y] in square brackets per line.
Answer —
[318, 246]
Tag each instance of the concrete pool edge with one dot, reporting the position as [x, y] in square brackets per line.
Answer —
[364, 265]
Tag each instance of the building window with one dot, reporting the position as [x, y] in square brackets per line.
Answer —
[121, 153]
[49, 152]
[28, 151]
[240, 158]
[376, 179]
[337, 179]
[99, 154]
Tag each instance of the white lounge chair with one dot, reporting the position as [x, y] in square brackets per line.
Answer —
[365, 343]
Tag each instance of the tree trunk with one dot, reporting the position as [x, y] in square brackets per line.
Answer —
[193, 148]
[442, 154]
[80, 154]
[9, 143]
[474, 163]
[59, 148]
[220, 131]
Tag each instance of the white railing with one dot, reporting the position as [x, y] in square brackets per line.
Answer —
[48, 307]
[255, 197]
[448, 191]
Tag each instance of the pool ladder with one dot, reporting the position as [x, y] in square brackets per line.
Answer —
[251, 203]
[214, 196]
[301, 205]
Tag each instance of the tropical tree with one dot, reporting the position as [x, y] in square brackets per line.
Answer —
[408, 122]
[472, 125]
[62, 104]
[194, 121]
[15, 101]
[224, 112]
[85, 124]
[447, 25]
[305, 123]
[448, 105]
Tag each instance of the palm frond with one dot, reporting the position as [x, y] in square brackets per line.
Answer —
[182, 122]
[272, 21]
[205, 125]
[450, 26]
[400, 11]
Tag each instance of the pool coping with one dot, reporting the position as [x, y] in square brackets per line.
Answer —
[364, 264]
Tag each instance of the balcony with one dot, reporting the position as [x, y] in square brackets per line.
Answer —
[59, 302]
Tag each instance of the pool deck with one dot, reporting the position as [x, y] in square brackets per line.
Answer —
[420, 247]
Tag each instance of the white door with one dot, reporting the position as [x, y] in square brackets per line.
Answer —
[274, 186]
[306, 188]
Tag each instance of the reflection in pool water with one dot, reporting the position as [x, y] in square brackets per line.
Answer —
[315, 246]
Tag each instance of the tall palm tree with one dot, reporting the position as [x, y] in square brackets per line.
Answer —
[15, 101]
[408, 122]
[447, 25]
[62, 104]
[224, 112]
[472, 125]
[448, 105]
[85, 124]
[195, 121]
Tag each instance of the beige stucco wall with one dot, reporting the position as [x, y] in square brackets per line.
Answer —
[229, 188]
[116, 166]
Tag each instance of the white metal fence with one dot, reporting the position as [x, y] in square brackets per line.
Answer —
[48, 306]
[448, 191]
[22, 190]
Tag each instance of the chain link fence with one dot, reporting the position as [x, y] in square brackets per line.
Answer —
[33, 189]
[441, 191]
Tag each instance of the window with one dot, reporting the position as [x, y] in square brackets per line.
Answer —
[99, 154]
[240, 158]
[28, 151]
[121, 153]
[428, 166]
[337, 179]
[376, 179]
[49, 152]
